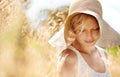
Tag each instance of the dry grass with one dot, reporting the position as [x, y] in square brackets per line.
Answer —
[25, 52]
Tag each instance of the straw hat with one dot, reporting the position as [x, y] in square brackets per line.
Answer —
[109, 37]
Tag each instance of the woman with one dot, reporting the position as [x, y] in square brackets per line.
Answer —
[84, 30]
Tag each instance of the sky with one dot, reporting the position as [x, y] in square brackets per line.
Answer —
[111, 13]
[37, 5]
[111, 10]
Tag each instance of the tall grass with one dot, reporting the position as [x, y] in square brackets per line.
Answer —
[114, 59]
[25, 52]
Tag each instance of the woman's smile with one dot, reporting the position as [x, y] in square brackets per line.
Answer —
[89, 41]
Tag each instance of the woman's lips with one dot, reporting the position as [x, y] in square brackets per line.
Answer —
[89, 41]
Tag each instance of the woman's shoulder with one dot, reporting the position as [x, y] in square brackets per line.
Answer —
[67, 56]
[67, 51]
[67, 61]
[102, 51]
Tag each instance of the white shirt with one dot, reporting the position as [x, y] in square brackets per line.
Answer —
[84, 70]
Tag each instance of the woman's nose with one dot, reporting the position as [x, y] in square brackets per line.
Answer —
[89, 35]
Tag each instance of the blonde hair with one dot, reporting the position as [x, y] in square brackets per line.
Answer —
[74, 23]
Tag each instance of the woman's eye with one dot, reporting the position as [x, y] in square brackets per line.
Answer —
[82, 30]
[96, 29]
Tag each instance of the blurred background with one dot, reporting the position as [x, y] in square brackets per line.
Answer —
[27, 25]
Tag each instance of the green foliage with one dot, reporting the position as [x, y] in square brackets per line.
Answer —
[113, 51]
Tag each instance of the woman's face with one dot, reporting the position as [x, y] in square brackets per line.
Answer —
[87, 33]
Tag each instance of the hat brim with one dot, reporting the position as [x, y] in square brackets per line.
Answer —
[109, 37]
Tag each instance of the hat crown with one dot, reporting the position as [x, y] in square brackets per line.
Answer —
[86, 5]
